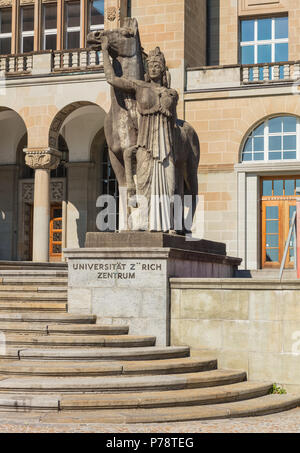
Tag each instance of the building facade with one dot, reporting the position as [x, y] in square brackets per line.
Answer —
[235, 65]
[245, 107]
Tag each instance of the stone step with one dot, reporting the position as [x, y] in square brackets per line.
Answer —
[119, 384]
[33, 306]
[98, 354]
[63, 368]
[42, 328]
[27, 289]
[264, 405]
[121, 341]
[171, 398]
[46, 317]
[7, 265]
[34, 272]
[267, 274]
[18, 296]
[33, 281]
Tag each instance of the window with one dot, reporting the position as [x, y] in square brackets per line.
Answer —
[73, 25]
[5, 31]
[49, 26]
[276, 139]
[96, 15]
[264, 41]
[27, 28]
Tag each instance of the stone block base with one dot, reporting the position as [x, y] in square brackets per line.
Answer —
[130, 285]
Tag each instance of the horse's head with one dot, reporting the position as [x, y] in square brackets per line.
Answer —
[123, 42]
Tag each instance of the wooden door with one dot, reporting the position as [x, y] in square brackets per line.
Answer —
[272, 232]
[55, 239]
[277, 207]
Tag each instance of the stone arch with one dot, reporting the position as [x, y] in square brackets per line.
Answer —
[12, 129]
[59, 119]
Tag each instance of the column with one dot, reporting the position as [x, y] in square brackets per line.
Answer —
[42, 161]
[83, 22]
[15, 26]
[37, 24]
[60, 24]
[252, 222]
[241, 233]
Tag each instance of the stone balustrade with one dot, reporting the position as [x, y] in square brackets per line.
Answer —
[225, 77]
[208, 77]
[76, 59]
[16, 64]
[271, 72]
[50, 61]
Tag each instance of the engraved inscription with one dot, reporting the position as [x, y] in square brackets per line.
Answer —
[117, 270]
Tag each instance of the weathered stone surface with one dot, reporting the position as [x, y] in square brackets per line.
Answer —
[251, 325]
[150, 153]
[131, 284]
[152, 239]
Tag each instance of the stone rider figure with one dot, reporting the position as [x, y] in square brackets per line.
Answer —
[154, 152]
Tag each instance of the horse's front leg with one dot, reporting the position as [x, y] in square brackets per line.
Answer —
[128, 157]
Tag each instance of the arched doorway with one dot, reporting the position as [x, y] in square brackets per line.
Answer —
[12, 129]
[271, 155]
[79, 123]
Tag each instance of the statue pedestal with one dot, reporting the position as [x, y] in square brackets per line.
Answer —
[123, 278]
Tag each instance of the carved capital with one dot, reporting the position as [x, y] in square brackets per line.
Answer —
[45, 159]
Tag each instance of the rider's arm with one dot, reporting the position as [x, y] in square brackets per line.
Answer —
[118, 82]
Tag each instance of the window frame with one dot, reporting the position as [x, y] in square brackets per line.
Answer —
[89, 17]
[6, 35]
[273, 41]
[266, 136]
[25, 34]
[47, 31]
[71, 29]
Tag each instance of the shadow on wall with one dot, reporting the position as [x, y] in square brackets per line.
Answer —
[213, 32]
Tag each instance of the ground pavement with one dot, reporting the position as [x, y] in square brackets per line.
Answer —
[285, 422]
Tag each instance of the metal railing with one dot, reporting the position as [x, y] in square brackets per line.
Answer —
[292, 232]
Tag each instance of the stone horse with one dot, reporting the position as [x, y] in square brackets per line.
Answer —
[121, 123]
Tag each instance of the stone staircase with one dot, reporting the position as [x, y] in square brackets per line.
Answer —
[71, 368]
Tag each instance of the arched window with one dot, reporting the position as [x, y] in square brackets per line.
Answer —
[277, 139]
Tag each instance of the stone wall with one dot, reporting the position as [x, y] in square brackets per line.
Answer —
[161, 23]
[246, 324]
[219, 193]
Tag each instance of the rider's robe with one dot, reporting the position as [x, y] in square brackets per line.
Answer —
[155, 154]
